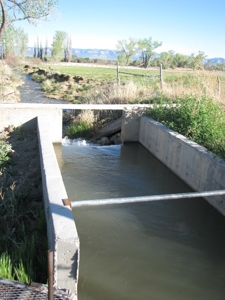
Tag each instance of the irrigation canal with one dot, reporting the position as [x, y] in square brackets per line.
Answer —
[154, 250]
[163, 250]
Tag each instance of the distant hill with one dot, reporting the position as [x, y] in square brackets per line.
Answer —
[85, 53]
[215, 61]
[110, 54]
[95, 53]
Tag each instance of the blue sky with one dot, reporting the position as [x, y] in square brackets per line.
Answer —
[185, 26]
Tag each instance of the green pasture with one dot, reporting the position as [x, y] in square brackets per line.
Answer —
[104, 74]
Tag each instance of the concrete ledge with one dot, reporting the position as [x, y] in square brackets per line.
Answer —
[26, 115]
[200, 169]
[62, 233]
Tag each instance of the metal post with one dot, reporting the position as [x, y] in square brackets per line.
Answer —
[160, 75]
[50, 275]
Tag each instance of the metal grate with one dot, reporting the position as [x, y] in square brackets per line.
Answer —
[14, 290]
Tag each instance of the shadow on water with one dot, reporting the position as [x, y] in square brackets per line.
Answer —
[30, 93]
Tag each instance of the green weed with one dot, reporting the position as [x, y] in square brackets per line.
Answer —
[5, 149]
[201, 120]
[77, 130]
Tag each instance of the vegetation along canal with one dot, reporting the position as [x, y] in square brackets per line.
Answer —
[161, 250]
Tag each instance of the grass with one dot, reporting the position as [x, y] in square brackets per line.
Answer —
[101, 74]
[200, 95]
[23, 241]
[79, 129]
[199, 119]
[176, 83]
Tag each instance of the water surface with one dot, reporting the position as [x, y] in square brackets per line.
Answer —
[169, 250]
[30, 92]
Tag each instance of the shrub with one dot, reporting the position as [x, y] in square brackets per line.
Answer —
[5, 149]
[201, 120]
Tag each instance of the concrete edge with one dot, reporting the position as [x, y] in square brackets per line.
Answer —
[194, 164]
[62, 233]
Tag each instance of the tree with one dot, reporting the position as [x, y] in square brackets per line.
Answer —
[58, 45]
[127, 48]
[31, 10]
[21, 42]
[147, 47]
[7, 42]
[167, 59]
[180, 60]
[197, 62]
[68, 49]
[13, 42]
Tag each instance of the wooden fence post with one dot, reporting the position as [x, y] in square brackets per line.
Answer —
[118, 73]
[218, 81]
[160, 75]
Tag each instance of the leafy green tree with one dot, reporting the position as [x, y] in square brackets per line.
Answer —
[7, 42]
[128, 48]
[31, 10]
[180, 60]
[197, 62]
[14, 42]
[147, 47]
[21, 42]
[167, 59]
[122, 59]
[58, 45]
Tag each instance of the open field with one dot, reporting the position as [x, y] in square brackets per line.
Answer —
[176, 83]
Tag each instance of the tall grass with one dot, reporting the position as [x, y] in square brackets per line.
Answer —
[78, 130]
[23, 241]
[20, 245]
[199, 119]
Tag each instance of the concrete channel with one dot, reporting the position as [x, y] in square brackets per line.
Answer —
[201, 170]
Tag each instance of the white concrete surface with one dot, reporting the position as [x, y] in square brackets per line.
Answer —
[26, 115]
[130, 125]
[197, 167]
[62, 233]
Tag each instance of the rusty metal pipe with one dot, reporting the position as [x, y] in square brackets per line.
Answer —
[50, 275]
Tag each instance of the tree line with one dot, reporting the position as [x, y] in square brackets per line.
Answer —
[137, 52]
[142, 53]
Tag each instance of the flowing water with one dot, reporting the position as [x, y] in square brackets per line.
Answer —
[163, 250]
[30, 92]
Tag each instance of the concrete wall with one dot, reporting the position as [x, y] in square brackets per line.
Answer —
[130, 126]
[62, 233]
[191, 162]
[26, 114]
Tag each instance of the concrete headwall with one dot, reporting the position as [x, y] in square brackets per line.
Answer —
[130, 126]
[26, 115]
[62, 233]
[190, 161]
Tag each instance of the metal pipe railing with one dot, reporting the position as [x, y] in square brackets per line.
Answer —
[143, 198]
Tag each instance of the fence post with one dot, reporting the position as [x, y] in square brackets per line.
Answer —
[160, 75]
[118, 73]
[218, 81]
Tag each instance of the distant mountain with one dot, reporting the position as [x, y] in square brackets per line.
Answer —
[85, 53]
[95, 53]
[111, 55]
[215, 61]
